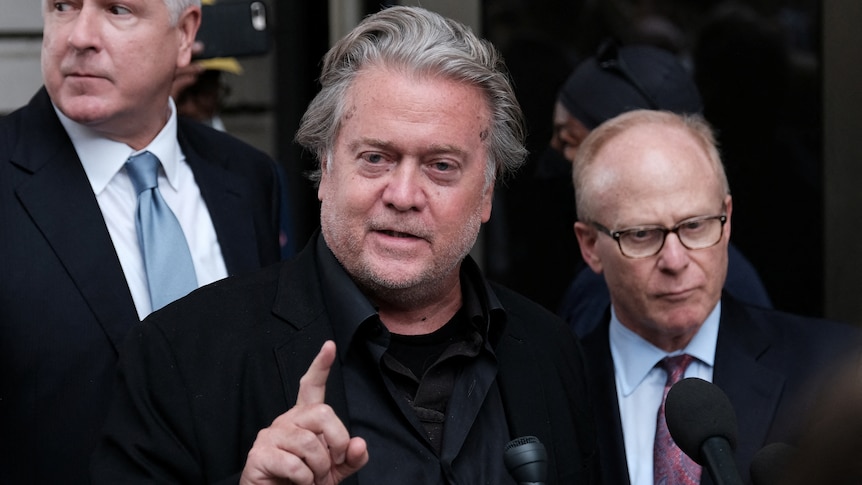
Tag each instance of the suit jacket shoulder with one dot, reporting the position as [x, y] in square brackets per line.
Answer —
[769, 362]
[239, 184]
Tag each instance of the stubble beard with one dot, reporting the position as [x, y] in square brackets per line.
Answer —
[407, 290]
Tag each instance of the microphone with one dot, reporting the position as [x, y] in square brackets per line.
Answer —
[526, 460]
[702, 422]
[769, 465]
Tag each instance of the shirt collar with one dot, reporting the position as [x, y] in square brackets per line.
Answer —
[642, 356]
[481, 304]
[102, 158]
[349, 308]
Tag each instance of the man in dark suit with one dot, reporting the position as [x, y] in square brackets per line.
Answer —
[615, 80]
[654, 212]
[71, 273]
[380, 354]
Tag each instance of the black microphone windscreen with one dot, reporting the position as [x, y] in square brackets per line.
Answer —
[697, 410]
[526, 460]
[770, 464]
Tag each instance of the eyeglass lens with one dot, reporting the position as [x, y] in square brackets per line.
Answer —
[697, 234]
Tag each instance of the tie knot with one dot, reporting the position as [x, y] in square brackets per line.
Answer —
[143, 170]
[675, 366]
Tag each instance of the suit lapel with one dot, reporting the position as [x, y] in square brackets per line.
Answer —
[294, 357]
[226, 200]
[753, 389]
[600, 372]
[59, 199]
[299, 303]
[519, 388]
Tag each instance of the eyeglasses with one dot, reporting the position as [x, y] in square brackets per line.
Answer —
[608, 58]
[643, 242]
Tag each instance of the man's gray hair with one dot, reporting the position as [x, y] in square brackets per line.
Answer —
[424, 43]
[176, 7]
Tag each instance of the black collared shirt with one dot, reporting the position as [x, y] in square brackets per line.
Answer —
[414, 438]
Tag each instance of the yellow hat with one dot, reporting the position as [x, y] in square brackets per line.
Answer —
[226, 64]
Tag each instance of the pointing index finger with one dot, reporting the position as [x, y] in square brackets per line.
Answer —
[312, 385]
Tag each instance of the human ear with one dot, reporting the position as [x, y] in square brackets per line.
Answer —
[587, 240]
[187, 29]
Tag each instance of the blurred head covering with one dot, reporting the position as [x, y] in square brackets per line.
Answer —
[620, 79]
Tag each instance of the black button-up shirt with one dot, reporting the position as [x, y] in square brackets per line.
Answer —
[412, 437]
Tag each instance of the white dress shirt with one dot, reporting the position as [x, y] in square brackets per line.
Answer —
[640, 385]
[104, 163]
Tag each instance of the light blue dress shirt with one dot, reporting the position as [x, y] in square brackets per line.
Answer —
[640, 385]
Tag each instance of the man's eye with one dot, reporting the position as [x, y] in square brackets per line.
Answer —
[373, 157]
[442, 166]
[119, 10]
[692, 226]
[642, 235]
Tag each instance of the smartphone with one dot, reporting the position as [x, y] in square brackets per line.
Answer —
[233, 28]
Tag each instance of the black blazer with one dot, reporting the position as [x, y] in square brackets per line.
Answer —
[202, 376]
[764, 362]
[65, 306]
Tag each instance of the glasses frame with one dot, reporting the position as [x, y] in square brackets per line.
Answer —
[617, 235]
[608, 58]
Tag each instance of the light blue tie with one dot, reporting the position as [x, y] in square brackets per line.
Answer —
[167, 260]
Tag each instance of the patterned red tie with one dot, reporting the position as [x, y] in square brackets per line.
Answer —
[670, 465]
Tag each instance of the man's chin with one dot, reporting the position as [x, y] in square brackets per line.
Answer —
[395, 276]
[85, 109]
[678, 323]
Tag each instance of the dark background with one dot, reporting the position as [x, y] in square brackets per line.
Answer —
[757, 64]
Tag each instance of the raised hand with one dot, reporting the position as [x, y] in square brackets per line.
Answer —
[308, 444]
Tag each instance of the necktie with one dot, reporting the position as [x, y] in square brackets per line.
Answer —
[670, 465]
[167, 260]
